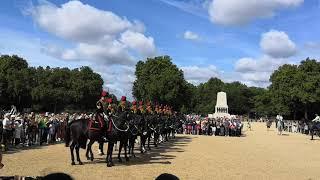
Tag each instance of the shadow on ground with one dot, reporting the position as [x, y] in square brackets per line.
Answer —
[13, 149]
[157, 155]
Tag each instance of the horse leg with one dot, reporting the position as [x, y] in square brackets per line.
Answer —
[143, 143]
[72, 154]
[132, 146]
[89, 150]
[149, 137]
[78, 156]
[109, 154]
[119, 153]
[125, 150]
[155, 140]
[101, 153]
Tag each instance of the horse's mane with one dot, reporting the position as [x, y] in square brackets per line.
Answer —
[79, 120]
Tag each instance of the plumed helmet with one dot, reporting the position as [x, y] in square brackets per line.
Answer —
[104, 93]
[109, 100]
[123, 98]
[141, 103]
[134, 102]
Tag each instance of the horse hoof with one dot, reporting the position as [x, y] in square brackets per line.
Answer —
[120, 160]
[109, 165]
[91, 159]
[127, 159]
[73, 163]
[149, 148]
[80, 163]
[88, 158]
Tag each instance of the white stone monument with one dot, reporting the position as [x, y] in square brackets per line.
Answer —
[221, 109]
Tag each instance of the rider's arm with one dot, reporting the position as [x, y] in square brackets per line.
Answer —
[317, 119]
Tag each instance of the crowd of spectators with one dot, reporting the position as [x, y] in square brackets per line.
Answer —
[195, 125]
[28, 129]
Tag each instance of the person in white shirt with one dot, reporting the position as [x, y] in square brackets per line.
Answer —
[17, 132]
[7, 129]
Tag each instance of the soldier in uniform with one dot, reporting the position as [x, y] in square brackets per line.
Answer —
[110, 108]
[99, 117]
[149, 109]
[100, 104]
[141, 108]
[123, 104]
[134, 108]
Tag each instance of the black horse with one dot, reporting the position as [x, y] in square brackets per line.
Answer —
[146, 132]
[76, 136]
[135, 129]
[314, 129]
[119, 132]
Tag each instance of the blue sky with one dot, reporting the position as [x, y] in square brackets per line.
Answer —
[235, 40]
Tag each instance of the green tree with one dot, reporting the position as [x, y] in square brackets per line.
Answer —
[159, 80]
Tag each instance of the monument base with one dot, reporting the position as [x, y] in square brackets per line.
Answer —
[221, 115]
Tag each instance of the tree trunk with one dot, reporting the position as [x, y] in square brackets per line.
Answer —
[306, 112]
[55, 107]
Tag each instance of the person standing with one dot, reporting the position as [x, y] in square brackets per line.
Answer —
[17, 132]
[7, 129]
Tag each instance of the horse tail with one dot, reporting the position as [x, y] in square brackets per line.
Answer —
[67, 137]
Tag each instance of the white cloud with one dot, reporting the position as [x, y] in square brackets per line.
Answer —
[99, 36]
[277, 44]
[197, 75]
[118, 80]
[135, 40]
[191, 36]
[109, 43]
[239, 12]
[277, 48]
[256, 72]
[78, 22]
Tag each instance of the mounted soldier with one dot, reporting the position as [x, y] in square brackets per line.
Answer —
[134, 108]
[149, 109]
[98, 122]
[123, 104]
[141, 108]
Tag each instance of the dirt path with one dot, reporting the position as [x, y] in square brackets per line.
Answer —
[259, 155]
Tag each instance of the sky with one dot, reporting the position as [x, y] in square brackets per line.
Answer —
[234, 40]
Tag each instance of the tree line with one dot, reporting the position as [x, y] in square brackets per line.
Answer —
[47, 89]
[294, 91]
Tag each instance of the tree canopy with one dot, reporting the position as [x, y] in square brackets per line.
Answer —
[160, 81]
[47, 89]
[294, 90]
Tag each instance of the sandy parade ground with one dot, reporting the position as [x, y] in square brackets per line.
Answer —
[257, 155]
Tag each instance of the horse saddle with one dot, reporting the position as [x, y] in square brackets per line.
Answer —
[97, 123]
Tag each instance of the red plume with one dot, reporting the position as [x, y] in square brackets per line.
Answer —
[104, 94]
